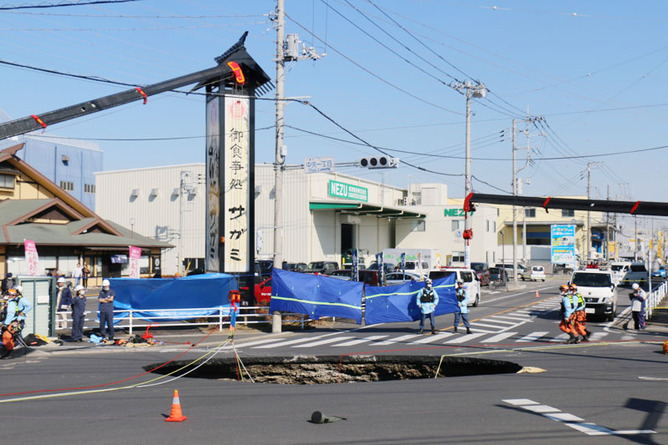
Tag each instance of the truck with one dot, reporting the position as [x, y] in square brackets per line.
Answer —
[415, 260]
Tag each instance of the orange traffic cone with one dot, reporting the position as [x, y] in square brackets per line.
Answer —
[537, 294]
[175, 415]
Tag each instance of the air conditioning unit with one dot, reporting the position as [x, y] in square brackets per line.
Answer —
[351, 219]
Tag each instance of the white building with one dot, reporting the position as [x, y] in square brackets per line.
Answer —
[325, 215]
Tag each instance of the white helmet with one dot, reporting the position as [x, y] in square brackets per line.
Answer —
[635, 286]
[61, 280]
[105, 282]
[78, 287]
[19, 288]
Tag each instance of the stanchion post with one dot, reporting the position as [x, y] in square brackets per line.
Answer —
[276, 323]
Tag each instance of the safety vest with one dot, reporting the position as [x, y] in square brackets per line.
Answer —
[427, 296]
[580, 302]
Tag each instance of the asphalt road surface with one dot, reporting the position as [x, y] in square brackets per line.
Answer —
[611, 390]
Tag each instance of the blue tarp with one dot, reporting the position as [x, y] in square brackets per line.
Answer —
[315, 295]
[392, 304]
[207, 293]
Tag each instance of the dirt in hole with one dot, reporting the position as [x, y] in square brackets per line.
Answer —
[312, 370]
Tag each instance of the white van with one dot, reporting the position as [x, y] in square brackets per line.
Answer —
[599, 291]
[468, 276]
[619, 270]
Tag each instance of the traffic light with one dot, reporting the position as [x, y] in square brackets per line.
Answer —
[379, 162]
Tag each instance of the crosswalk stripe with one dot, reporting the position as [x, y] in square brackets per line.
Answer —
[514, 317]
[257, 342]
[397, 339]
[485, 325]
[432, 338]
[464, 338]
[289, 342]
[628, 337]
[560, 337]
[533, 336]
[360, 340]
[500, 321]
[596, 336]
[322, 342]
[499, 337]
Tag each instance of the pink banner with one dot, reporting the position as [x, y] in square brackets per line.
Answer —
[135, 255]
[32, 259]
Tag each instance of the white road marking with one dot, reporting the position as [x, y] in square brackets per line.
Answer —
[322, 342]
[533, 336]
[499, 337]
[289, 342]
[596, 336]
[360, 340]
[571, 420]
[431, 338]
[397, 339]
[257, 342]
[463, 338]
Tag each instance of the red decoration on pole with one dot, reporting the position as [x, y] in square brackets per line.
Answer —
[547, 201]
[39, 121]
[238, 74]
[467, 234]
[635, 207]
[142, 94]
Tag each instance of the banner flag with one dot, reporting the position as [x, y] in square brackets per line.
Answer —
[32, 259]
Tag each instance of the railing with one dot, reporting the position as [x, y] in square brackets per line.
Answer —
[655, 298]
[248, 315]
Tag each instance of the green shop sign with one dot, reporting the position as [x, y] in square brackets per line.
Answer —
[449, 213]
[348, 191]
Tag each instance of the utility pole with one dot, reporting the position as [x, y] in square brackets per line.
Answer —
[588, 247]
[280, 111]
[477, 90]
[514, 195]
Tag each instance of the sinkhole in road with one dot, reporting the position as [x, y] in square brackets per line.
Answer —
[316, 370]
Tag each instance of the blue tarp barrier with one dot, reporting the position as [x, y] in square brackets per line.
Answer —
[392, 304]
[315, 295]
[207, 293]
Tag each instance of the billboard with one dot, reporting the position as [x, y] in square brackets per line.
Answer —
[562, 244]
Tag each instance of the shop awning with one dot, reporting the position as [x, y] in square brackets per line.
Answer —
[364, 209]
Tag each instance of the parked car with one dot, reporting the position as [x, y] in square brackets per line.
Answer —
[509, 269]
[394, 278]
[294, 267]
[342, 274]
[536, 273]
[637, 274]
[322, 267]
[497, 275]
[619, 270]
[389, 267]
[370, 277]
[598, 290]
[482, 270]
[660, 272]
[468, 276]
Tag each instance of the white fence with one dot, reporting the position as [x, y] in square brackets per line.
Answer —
[248, 315]
[655, 298]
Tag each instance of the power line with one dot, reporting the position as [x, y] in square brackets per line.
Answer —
[64, 4]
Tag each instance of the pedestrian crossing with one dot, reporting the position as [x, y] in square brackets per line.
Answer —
[497, 329]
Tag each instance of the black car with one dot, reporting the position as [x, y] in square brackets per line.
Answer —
[322, 267]
[265, 267]
[294, 267]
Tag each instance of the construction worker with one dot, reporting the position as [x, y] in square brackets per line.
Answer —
[16, 309]
[580, 318]
[567, 315]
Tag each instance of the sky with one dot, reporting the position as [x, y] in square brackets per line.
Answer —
[584, 81]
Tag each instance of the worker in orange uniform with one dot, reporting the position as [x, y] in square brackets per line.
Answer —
[580, 319]
[567, 315]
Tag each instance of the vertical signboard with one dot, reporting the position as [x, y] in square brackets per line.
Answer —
[32, 259]
[563, 244]
[212, 184]
[135, 256]
[236, 184]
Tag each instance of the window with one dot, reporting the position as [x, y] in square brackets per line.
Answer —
[530, 213]
[7, 181]
[89, 188]
[67, 186]
[418, 226]
[458, 257]
[457, 224]
[567, 212]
